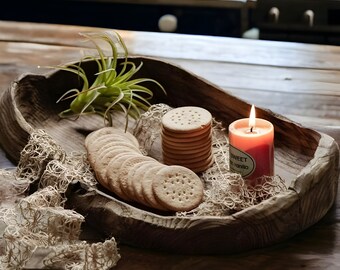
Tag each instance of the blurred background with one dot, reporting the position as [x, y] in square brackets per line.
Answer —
[309, 21]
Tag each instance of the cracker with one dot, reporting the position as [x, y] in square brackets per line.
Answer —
[97, 147]
[189, 140]
[191, 157]
[114, 149]
[189, 136]
[179, 145]
[185, 151]
[199, 169]
[146, 185]
[134, 179]
[94, 157]
[186, 119]
[112, 174]
[185, 162]
[197, 166]
[177, 188]
[111, 138]
[124, 169]
[110, 130]
[102, 161]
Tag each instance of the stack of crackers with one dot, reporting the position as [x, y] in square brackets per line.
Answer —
[187, 138]
[120, 166]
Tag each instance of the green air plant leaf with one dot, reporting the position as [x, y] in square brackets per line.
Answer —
[112, 89]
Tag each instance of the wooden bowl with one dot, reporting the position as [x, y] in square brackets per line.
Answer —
[306, 159]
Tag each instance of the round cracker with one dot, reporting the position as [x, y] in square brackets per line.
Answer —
[189, 136]
[190, 157]
[110, 130]
[135, 176]
[127, 165]
[112, 174]
[185, 162]
[179, 145]
[178, 188]
[97, 147]
[196, 167]
[146, 184]
[199, 169]
[110, 138]
[94, 157]
[205, 138]
[114, 149]
[186, 119]
[185, 151]
[103, 160]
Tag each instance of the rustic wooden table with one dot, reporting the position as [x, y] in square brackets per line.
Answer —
[299, 81]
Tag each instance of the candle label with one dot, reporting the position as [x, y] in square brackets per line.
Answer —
[241, 162]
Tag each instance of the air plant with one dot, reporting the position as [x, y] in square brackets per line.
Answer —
[113, 87]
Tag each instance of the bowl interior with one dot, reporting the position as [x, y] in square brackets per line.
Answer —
[36, 98]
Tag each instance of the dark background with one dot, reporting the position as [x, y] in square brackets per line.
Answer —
[144, 17]
[192, 19]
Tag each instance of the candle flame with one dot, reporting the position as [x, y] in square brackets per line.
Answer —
[252, 118]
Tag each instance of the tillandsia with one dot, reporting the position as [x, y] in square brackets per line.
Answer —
[114, 86]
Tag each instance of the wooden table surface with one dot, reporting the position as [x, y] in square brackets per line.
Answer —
[299, 81]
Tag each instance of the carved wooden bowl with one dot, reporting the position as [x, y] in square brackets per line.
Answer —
[306, 159]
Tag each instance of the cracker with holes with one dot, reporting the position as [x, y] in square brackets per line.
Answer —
[187, 119]
[177, 188]
[187, 138]
[121, 167]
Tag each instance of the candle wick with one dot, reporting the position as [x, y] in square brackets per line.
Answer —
[251, 129]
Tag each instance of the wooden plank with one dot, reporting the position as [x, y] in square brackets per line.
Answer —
[286, 90]
[293, 91]
[188, 47]
[306, 96]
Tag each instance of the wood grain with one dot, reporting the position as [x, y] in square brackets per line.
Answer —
[297, 80]
[292, 79]
[185, 47]
[30, 104]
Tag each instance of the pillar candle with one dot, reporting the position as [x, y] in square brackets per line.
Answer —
[251, 147]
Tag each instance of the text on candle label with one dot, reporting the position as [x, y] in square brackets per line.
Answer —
[241, 162]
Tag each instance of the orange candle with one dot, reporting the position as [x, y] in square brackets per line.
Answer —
[251, 147]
